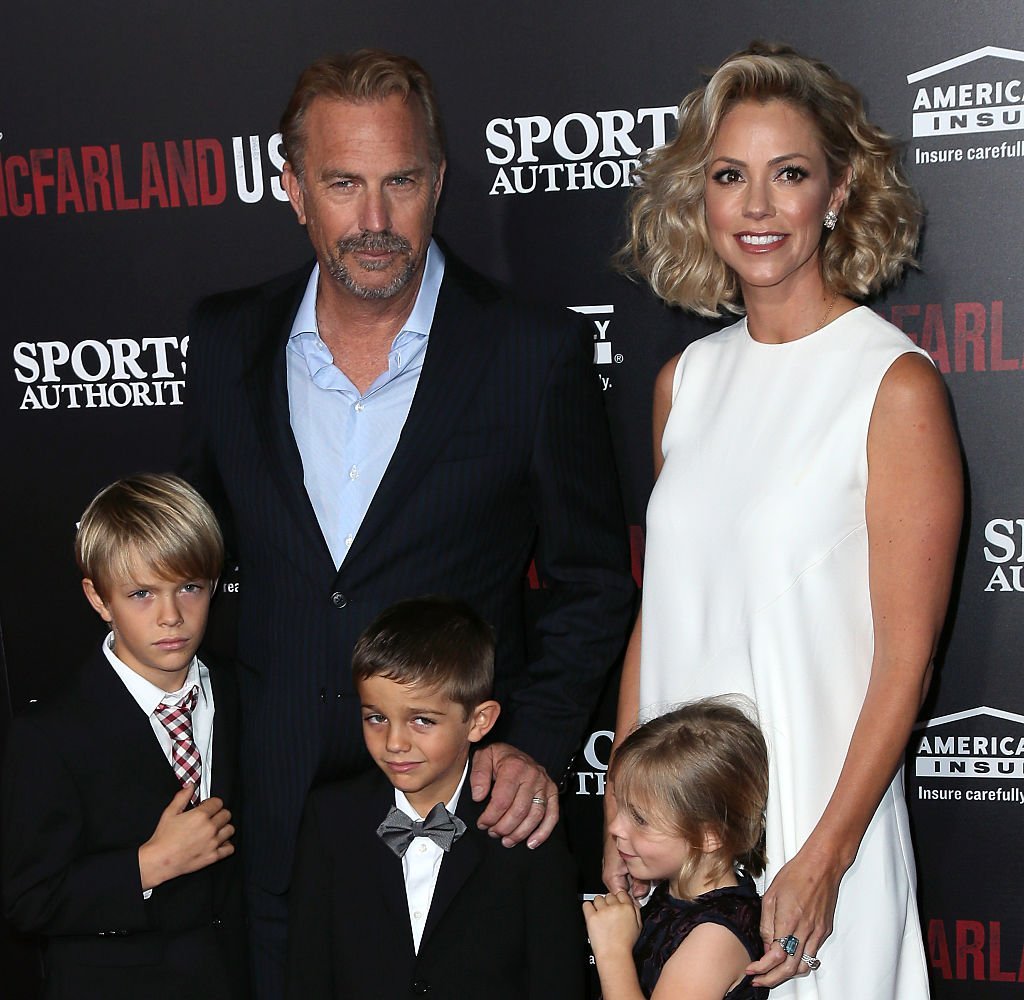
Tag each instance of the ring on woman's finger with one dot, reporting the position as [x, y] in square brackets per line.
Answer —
[811, 962]
[539, 800]
[789, 944]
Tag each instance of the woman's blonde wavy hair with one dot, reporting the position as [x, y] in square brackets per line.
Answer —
[877, 233]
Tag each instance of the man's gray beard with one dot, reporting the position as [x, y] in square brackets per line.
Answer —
[372, 242]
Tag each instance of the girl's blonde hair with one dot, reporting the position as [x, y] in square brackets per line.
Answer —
[877, 233]
[700, 769]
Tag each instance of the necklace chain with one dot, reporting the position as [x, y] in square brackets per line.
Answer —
[824, 319]
[828, 311]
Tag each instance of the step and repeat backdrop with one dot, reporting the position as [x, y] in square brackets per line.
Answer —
[140, 169]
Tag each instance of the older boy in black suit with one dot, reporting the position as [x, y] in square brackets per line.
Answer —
[116, 839]
[395, 890]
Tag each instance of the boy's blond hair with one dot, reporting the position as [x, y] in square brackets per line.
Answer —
[156, 521]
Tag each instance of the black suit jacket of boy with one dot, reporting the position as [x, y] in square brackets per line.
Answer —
[503, 922]
[84, 785]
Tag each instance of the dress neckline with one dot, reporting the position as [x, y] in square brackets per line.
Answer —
[744, 887]
[812, 337]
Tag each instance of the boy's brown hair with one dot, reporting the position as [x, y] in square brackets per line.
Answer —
[435, 642]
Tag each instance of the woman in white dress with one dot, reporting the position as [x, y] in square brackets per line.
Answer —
[803, 527]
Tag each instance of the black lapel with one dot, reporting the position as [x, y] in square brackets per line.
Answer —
[267, 386]
[457, 352]
[225, 734]
[385, 873]
[459, 863]
[115, 711]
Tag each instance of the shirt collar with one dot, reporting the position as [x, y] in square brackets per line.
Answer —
[422, 316]
[148, 695]
[451, 805]
[420, 319]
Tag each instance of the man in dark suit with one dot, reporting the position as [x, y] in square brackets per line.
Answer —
[390, 425]
[134, 892]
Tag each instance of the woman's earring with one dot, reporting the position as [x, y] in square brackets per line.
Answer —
[830, 219]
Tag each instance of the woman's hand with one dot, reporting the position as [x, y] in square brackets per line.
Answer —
[801, 901]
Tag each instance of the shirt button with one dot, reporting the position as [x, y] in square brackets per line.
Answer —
[348, 541]
[421, 848]
[359, 407]
[398, 359]
[338, 599]
[353, 473]
[418, 914]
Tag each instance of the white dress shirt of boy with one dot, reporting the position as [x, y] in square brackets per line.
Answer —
[422, 864]
[149, 696]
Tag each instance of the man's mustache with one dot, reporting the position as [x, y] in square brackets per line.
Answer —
[382, 242]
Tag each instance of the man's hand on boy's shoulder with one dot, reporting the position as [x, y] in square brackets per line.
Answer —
[524, 799]
[186, 840]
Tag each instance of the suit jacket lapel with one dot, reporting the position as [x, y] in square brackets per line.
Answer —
[385, 874]
[114, 710]
[267, 384]
[458, 864]
[457, 351]
[225, 734]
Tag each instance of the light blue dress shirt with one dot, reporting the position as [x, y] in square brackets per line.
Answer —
[346, 440]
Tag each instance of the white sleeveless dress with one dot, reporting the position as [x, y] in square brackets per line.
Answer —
[756, 582]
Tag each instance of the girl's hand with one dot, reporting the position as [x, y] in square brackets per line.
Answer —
[615, 874]
[801, 901]
[613, 924]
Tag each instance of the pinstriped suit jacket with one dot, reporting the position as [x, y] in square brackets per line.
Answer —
[505, 448]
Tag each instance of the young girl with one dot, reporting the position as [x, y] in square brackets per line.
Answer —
[690, 789]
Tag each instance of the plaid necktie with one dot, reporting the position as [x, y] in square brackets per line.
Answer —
[177, 720]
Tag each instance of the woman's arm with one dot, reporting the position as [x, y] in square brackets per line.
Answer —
[614, 871]
[913, 508]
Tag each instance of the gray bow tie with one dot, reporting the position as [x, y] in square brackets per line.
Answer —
[398, 830]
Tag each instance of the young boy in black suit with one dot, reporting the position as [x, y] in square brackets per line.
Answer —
[116, 839]
[395, 891]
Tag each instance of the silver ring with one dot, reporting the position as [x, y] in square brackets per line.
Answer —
[539, 800]
[812, 963]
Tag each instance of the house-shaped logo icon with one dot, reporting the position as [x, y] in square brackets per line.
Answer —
[979, 91]
[980, 743]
